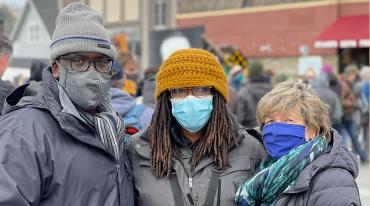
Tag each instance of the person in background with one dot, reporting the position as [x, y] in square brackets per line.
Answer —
[148, 86]
[60, 139]
[306, 162]
[278, 78]
[36, 68]
[232, 103]
[320, 84]
[135, 116]
[236, 77]
[334, 83]
[362, 93]
[127, 60]
[194, 151]
[6, 50]
[249, 95]
[350, 105]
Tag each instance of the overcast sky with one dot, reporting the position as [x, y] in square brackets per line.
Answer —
[15, 3]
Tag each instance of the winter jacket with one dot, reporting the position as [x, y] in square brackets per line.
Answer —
[123, 103]
[334, 84]
[49, 157]
[327, 180]
[321, 86]
[244, 159]
[247, 100]
[5, 90]
[331, 99]
[148, 90]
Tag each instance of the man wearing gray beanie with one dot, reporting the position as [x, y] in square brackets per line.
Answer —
[60, 139]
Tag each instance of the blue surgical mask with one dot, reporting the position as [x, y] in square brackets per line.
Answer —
[280, 138]
[192, 113]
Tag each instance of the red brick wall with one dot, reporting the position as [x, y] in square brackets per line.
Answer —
[274, 33]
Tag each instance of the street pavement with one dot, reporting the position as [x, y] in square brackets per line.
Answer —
[363, 182]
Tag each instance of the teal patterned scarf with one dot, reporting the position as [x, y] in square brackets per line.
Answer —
[276, 176]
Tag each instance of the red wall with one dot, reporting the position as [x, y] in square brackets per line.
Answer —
[280, 31]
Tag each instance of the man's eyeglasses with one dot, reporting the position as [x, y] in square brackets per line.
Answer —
[182, 93]
[80, 64]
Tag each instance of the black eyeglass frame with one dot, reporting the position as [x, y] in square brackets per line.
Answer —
[171, 92]
[70, 60]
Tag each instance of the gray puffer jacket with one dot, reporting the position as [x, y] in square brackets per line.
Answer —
[244, 159]
[48, 157]
[328, 180]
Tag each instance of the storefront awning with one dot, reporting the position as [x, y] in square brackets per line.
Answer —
[345, 32]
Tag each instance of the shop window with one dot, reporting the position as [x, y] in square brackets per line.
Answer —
[160, 14]
[113, 11]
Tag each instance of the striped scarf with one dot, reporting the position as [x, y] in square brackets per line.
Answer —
[108, 125]
[277, 176]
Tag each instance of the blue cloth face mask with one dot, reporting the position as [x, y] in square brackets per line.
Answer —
[280, 138]
[192, 113]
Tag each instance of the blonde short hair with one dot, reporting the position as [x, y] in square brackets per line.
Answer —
[293, 94]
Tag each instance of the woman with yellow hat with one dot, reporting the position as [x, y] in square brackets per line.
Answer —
[194, 151]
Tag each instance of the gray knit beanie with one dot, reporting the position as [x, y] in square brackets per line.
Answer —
[79, 29]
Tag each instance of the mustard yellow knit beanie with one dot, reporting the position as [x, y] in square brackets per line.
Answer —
[191, 68]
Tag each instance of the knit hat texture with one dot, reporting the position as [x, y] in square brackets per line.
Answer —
[79, 29]
[191, 68]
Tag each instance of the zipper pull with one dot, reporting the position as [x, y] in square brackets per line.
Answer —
[191, 183]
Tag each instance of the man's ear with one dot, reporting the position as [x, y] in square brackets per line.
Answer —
[55, 70]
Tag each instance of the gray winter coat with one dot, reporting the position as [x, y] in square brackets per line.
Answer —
[328, 180]
[48, 157]
[247, 100]
[5, 90]
[243, 159]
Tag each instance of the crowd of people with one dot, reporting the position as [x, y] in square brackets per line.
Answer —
[87, 130]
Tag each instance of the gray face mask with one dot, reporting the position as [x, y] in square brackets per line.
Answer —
[85, 89]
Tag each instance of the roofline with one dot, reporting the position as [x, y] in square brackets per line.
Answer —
[17, 24]
[28, 5]
[296, 5]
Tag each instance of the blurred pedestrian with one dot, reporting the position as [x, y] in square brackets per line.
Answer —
[334, 83]
[193, 147]
[36, 68]
[350, 104]
[60, 138]
[232, 103]
[127, 60]
[148, 86]
[278, 78]
[362, 93]
[306, 162]
[135, 116]
[249, 96]
[320, 84]
[6, 50]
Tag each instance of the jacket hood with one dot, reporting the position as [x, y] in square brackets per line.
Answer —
[34, 95]
[335, 156]
[122, 102]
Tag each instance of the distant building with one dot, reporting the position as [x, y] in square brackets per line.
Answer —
[276, 31]
[31, 36]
